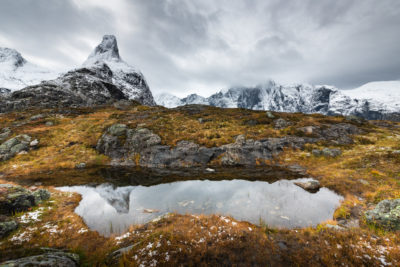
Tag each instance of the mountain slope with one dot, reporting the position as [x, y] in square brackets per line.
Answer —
[366, 102]
[17, 73]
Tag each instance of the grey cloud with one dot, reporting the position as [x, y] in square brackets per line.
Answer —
[201, 45]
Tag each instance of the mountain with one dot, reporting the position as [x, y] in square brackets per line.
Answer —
[103, 78]
[129, 80]
[17, 73]
[371, 101]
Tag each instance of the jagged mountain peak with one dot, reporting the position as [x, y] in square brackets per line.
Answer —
[11, 57]
[106, 51]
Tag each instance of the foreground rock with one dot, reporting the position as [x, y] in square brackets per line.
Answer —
[310, 185]
[15, 198]
[386, 215]
[52, 258]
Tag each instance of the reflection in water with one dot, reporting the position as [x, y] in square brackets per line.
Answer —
[110, 209]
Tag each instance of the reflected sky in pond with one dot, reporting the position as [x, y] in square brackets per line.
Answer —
[110, 209]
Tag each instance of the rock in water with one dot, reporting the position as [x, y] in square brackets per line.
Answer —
[310, 185]
[386, 214]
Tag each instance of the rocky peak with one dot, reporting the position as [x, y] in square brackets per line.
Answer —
[107, 50]
[11, 57]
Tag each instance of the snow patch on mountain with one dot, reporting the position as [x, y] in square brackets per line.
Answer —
[17, 73]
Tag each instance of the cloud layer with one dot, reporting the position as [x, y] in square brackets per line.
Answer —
[187, 46]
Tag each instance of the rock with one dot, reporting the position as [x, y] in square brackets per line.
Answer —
[41, 195]
[210, 170]
[14, 199]
[4, 134]
[81, 165]
[7, 225]
[52, 258]
[310, 185]
[331, 152]
[142, 147]
[34, 143]
[37, 117]
[335, 227]
[124, 104]
[49, 123]
[354, 119]
[364, 182]
[14, 146]
[251, 122]
[386, 215]
[327, 152]
[270, 115]
[281, 124]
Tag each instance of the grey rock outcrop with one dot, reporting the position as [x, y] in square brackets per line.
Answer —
[7, 225]
[4, 133]
[386, 214]
[310, 185]
[142, 147]
[52, 258]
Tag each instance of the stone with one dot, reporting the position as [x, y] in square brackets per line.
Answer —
[34, 143]
[7, 225]
[5, 133]
[81, 165]
[281, 124]
[13, 146]
[37, 117]
[52, 258]
[310, 185]
[331, 152]
[14, 199]
[124, 104]
[270, 115]
[354, 119]
[316, 152]
[386, 214]
[335, 227]
[41, 195]
[49, 123]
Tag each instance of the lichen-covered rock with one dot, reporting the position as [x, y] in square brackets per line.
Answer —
[386, 214]
[13, 146]
[337, 133]
[52, 258]
[16, 198]
[327, 152]
[7, 225]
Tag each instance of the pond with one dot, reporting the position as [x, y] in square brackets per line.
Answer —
[111, 209]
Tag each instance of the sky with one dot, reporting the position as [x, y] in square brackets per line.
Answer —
[203, 46]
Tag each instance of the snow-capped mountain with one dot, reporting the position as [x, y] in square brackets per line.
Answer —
[17, 73]
[103, 78]
[131, 81]
[371, 101]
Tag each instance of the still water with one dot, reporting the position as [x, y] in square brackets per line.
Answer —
[109, 209]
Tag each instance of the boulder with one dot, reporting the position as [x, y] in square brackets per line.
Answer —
[270, 115]
[15, 198]
[310, 185]
[52, 258]
[327, 152]
[13, 146]
[386, 215]
[4, 133]
[7, 225]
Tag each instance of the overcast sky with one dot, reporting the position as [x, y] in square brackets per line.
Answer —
[202, 46]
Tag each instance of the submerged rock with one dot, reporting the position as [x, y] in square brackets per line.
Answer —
[386, 214]
[52, 258]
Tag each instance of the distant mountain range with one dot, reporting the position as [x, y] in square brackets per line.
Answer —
[376, 100]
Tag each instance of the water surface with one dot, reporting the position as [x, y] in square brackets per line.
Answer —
[110, 209]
